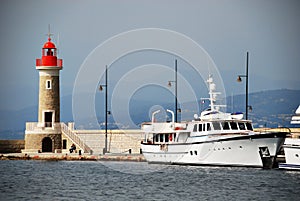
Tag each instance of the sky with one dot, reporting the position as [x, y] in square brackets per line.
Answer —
[223, 29]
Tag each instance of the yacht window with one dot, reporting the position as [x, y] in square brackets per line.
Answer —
[161, 138]
[171, 137]
[203, 127]
[200, 127]
[167, 137]
[174, 137]
[249, 126]
[233, 125]
[208, 127]
[195, 152]
[191, 152]
[156, 138]
[217, 125]
[242, 126]
[226, 126]
[195, 128]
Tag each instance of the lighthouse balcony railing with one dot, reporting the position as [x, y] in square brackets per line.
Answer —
[42, 126]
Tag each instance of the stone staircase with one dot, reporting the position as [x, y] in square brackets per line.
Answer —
[67, 131]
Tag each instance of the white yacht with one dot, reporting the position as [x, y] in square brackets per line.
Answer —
[292, 147]
[214, 138]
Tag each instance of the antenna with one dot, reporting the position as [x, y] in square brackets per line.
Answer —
[213, 94]
[209, 73]
[49, 34]
[58, 45]
[231, 101]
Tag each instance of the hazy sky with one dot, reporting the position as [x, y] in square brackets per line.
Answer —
[226, 29]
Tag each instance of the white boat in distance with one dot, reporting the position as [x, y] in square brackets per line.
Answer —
[215, 138]
[292, 147]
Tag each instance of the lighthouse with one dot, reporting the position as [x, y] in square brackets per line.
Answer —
[49, 102]
[45, 135]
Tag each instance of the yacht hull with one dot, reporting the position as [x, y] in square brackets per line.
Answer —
[292, 154]
[259, 150]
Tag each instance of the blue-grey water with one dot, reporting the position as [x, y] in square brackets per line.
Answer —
[91, 180]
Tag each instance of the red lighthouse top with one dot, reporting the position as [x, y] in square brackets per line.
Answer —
[49, 44]
[49, 56]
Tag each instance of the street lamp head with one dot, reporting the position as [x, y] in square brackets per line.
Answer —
[250, 108]
[239, 79]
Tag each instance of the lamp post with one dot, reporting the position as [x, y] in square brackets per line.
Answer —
[106, 111]
[170, 84]
[239, 79]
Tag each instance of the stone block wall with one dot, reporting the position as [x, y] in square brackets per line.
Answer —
[34, 141]
[11, 146]
[122, 142]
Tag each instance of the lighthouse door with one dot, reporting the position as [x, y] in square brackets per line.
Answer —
[48, 119]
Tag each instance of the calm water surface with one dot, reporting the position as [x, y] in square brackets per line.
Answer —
[82, 180]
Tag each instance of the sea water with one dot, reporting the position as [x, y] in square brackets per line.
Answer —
[94, 180]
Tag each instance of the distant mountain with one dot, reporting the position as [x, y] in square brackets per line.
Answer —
[269, 108]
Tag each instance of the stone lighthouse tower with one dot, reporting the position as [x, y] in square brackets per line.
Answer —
[49, 102]
[45, 135]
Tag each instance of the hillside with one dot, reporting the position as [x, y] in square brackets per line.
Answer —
[269, 108]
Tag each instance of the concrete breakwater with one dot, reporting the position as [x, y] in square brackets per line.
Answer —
[73, 157]
[11, 146]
